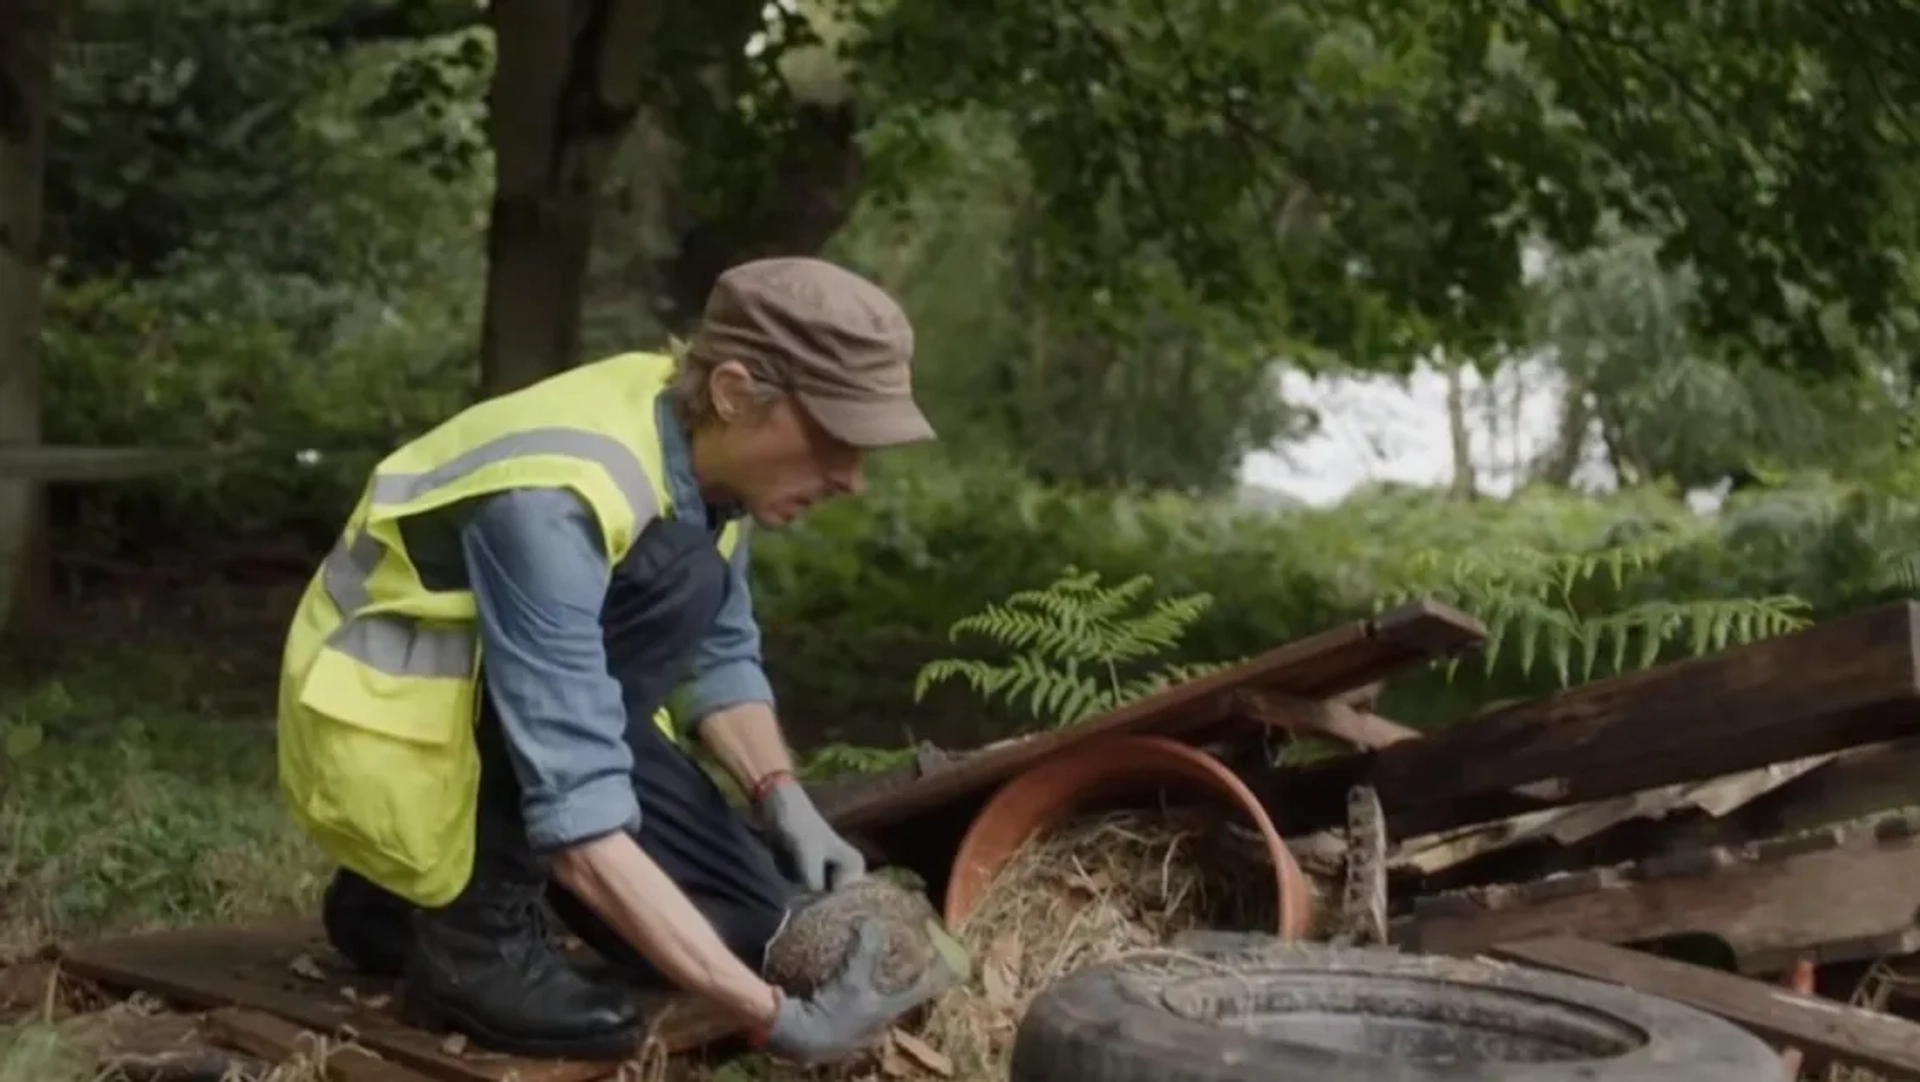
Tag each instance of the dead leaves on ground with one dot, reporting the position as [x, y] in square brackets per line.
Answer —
[906, 1055]
[304, 967]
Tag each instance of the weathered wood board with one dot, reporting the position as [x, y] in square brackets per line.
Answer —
[1824, 1031]
[1578, 823]
[47, 462]
[1844, 682]
[1323, 665]
[1770, 902]
[288, 970]
[275, 1040]
[1855, 783]
[1325, 717]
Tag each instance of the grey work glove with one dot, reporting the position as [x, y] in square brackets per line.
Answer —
[821, 857]
[844, 1012]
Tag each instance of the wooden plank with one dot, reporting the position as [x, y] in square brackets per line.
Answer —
[1327, 717]
[1826, 1032]
[1844, 682]
[277, 1041]
[1856, 783]
[31, 988]
[1770, 902]
[157, 1046]
[288, 970]
[1570, 826]
[1326, 664]
[50, 463]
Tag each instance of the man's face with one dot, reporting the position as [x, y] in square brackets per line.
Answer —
[779, 462]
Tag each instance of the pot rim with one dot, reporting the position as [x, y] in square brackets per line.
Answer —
[1054, 789]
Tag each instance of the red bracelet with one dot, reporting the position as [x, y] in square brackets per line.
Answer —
[766, 783]
[757, 1036]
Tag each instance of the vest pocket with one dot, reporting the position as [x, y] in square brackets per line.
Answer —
[395, 771]
[428, 710]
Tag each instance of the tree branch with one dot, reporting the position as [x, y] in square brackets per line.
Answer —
[406, 20]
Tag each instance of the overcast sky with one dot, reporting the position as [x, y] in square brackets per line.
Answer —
[1380, 428]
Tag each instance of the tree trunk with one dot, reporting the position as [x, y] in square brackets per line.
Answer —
[1571, 440]
[28, 30]
[819, 163]
[1464, 485]
[665, 237]
[566, 89]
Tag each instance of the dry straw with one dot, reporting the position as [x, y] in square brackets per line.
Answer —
[1103, 887]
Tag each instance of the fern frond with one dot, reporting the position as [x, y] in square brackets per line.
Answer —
[1903, 572]
[1154, 632]
[1528, 602]
[985, 680]
[1069, 644]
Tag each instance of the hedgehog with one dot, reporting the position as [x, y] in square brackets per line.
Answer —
[812, 947]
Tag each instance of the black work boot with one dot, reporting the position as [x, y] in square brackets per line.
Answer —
[487, 967]
[369, 925]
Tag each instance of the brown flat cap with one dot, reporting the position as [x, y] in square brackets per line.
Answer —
[836, 341]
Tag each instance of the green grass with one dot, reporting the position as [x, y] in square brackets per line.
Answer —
[139, 819]
[136, 793]
[31, 1052]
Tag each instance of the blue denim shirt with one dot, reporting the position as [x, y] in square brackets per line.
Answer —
[535, 563]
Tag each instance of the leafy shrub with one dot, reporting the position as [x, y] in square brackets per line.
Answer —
[304, 384]
[856, 599]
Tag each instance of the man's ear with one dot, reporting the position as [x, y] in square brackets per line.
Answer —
[731, 387]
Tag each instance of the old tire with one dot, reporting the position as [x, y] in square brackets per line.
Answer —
[1214, 1011]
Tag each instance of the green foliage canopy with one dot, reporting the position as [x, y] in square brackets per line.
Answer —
[1361, 176]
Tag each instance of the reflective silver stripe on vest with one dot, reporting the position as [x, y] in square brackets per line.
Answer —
[629, 476]
[404, 646]
[387, 642]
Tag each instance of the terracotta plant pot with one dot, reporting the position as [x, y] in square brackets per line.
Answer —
[1052, 792]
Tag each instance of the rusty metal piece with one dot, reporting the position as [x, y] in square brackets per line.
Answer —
[1799, 979]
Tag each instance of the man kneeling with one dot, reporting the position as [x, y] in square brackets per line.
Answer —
[474, 701]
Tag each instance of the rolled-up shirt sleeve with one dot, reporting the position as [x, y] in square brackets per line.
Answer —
[727, 669]
[539, 577]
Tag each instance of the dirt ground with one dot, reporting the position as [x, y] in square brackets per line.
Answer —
[1109, 886]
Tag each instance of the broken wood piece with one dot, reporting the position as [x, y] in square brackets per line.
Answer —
[1322, 665]
[1325, 717]
[181, 1065]
[31, 988]
[1771, 902]
[1855, 783]
[1825, 1032]
[1572, 825]
[1844, 682]
[142, 1047]
[279, 1041]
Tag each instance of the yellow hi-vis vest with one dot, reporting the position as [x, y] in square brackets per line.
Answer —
[379, 680]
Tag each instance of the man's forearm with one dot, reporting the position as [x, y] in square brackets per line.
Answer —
[747, 741]
[618, 881]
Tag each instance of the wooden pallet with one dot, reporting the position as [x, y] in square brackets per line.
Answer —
[287, 970]
[1771, 902]
[1844, 682]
